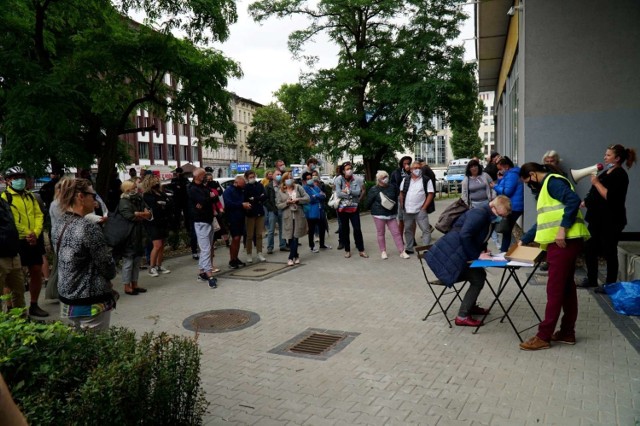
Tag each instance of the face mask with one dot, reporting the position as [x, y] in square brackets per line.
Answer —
[288, 182]
[535, 187]
[282, 168]
[416, 172]
[252, 180]
[18, 184]
[385, 180]
[497, 219]
[278, 178]
[348, 173]
[313, 167]
[310, 182]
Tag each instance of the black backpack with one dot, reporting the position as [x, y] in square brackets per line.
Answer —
[425, 183]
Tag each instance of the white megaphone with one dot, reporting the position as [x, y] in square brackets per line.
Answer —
[578, 174]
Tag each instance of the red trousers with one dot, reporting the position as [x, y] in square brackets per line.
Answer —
[561, 290]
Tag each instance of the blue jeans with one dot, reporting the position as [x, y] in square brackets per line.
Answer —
[275, 217]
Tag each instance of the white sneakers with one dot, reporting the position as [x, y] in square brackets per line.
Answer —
[261, 257]
[249, 258]
[290, 262]
[384, 255]
[154, 271]
[404, 255]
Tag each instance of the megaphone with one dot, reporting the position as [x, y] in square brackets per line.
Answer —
[578, 174]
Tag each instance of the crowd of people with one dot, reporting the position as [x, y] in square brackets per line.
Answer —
[140, 211]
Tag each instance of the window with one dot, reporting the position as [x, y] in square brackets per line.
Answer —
[486, 137]
[194, 153]
[441, 150]
[486, 110]
[143, 150]
[491, 111]
[430, 152]
[171, 152]
[157, 151]
[184, 153]
[193, 130]
[493, 136]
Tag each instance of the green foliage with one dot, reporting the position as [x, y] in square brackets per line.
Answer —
[465, 142]
[60, 376]
[74, 73]
[396, 68]
[273, 137]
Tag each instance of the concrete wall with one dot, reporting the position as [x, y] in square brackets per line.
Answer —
[581, 85]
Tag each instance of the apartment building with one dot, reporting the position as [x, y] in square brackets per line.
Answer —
[487, 131]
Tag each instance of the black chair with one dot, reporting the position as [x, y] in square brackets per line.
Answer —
[438, 289]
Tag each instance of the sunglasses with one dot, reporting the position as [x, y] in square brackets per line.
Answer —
[93, 194]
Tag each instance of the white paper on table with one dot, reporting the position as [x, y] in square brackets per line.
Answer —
[516, 263]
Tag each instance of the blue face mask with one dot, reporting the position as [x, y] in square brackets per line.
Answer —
[496, 219]
[278, 178]
[309, 182]
[19, 184]
[288, 182]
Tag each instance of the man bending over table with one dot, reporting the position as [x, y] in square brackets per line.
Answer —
[450, 256]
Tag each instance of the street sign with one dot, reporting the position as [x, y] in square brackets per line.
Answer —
[243, 167]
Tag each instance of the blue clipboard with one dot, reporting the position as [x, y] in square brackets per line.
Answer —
[489, 263]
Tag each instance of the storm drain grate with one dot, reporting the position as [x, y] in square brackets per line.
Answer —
[220, 321]
[315, 344]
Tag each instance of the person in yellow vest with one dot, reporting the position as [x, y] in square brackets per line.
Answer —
[560, 230]
[29, 220]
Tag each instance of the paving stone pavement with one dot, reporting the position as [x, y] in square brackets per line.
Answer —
[399, 370]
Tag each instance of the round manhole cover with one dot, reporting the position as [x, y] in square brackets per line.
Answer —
[221, 321]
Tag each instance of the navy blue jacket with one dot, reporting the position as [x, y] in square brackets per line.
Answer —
[255, 194]
[233, 199]
[467, 239]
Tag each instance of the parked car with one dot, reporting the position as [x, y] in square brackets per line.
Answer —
[454, 177]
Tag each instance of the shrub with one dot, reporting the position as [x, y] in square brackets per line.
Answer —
[62, 376]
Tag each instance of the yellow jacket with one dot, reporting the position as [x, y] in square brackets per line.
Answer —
[26, 212]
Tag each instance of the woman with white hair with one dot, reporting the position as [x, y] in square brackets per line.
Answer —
[384, 209]
[552, 158]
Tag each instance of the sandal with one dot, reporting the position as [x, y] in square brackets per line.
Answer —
[133, 292]
[347, 254]
[140, 289]
[364, 254]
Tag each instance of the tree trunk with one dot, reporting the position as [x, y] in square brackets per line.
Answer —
[106, 163]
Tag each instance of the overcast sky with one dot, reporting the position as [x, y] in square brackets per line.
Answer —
[266, 61]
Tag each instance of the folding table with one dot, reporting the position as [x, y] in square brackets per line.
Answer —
[509, 274]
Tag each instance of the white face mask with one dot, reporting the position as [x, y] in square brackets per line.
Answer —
[252, 180]
[416, 172]
[348, 173]
[385, 180]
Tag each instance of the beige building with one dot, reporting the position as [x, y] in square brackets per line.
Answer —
[487, 131]
[237, 151]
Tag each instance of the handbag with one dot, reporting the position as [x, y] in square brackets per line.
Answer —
[117, 229]
[216, 225]
[334, 201]
[386, 202]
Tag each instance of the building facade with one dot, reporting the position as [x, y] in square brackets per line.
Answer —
[232, 157]
[487, 129]
[565, 77]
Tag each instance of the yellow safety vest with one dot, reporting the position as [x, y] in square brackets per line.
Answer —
[550, 213]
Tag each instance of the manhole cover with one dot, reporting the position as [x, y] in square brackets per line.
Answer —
[220, 321]
[315, 343]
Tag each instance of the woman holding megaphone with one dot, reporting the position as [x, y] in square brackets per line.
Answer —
[606, 214]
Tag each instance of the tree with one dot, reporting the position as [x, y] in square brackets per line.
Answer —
[465, 142]
[395, 64]
[274, 137]
[73, 74]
